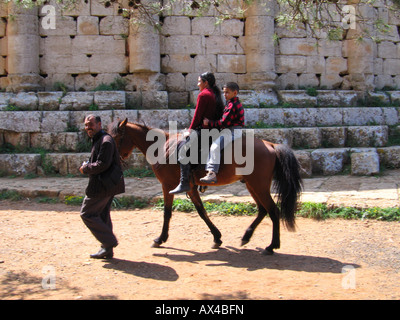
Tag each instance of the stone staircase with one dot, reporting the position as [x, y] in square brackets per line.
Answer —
[328, 131]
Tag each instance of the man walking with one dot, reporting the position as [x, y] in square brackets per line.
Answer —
[105, 181]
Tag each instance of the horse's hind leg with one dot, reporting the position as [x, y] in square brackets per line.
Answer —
[265, 203]
[260, 216]
[274, 215]
[195, 197]
[250, 230]
[168, 199]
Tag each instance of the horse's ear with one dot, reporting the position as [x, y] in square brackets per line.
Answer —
[122, 125]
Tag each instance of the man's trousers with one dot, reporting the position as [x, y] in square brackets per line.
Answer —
[95, 213]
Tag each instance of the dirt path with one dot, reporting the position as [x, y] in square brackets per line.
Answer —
[44, 254]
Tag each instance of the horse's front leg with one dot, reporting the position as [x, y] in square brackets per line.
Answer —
[168, 200]
[195, 197]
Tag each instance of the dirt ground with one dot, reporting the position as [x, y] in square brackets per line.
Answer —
[44, 254]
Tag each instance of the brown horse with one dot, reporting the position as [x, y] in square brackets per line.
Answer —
[270, 161]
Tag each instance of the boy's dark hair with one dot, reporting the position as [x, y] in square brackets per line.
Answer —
[232, 86]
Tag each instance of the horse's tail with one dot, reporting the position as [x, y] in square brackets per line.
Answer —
[287, 184]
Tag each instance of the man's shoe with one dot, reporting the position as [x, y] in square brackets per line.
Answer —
[103, 254]
[211, 177]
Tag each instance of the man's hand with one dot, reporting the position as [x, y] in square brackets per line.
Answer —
[206, 122]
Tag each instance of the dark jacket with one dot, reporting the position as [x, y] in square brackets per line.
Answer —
[103, 157]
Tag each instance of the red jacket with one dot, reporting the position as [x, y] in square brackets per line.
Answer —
[205, 108]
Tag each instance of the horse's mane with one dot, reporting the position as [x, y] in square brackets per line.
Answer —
[113, 127]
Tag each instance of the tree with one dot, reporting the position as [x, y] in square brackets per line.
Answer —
[331, 19]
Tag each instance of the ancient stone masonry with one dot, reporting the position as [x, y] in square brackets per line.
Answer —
[91, 44]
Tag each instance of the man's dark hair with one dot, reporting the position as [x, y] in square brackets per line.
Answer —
[232, 86]
[96, 118]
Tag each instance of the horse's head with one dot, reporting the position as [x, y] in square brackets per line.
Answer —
[124, 144]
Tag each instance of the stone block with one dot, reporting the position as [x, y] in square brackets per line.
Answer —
[108, 63]
[288, 81]
[205, 26]
[308, 80]
[133, 100]
[391, 66]
[177, 63]
[81, 8]
[155, 100]
[174, 25]
[328, 161]
[257, 97]
[387, 50]
[205, 62]
[5, 99]
[108, 100]
[20, 121]
[178, 100]
[220, 45]
[293, 64]
[131, 115]
[359, 116]
[365, 163]
[281, 136]
[77, 101]
[297, 97]
[175, 82]
[64, 26]
[114, 25]
[304, 159]
[336, 65]
[232, 27]
[315, 64]
[299, 117]
[17, 139]
[44, 140]
[308, 138]
[98, 8]
[88, 25]
[25, 101]
[333, 137]
[267, 116]
[389, 157]
[329, 117]
[367, 136]
[49, 101]
[19, 164]
[3, 25]
[182, 44]
[331, 81]
[55, 121]
[231, 63]
[299, 46]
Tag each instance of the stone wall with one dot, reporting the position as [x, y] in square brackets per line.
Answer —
[92, 44]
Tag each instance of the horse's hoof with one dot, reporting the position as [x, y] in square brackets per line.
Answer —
[244, 242]
[268, 252]
[156, 245]
[216, 245]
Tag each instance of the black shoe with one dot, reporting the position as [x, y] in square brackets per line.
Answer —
[103, 254]
[184, 184]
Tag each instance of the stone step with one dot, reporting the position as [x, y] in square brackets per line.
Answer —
[67, 121]
[114, 100]
[296, 137]
[329, 161]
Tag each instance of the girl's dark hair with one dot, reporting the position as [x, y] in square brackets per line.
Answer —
[210, 78]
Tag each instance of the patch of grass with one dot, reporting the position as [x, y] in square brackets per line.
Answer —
[139, 173]
[321, 211]
[10, 195]
[73, 200]
[223, 208]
